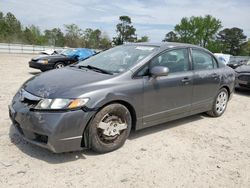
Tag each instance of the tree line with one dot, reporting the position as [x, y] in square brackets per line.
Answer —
[203, 31]
[12, 31]
[206, 32]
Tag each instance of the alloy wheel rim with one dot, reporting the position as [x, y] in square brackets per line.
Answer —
[221, 102]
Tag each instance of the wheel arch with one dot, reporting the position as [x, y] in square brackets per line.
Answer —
[85, 139]
[228, 90]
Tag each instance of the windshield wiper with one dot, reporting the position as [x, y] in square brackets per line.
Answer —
[95, 69]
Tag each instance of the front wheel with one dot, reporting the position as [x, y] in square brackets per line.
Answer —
[110, 128]
[220, 103]
[59, 65]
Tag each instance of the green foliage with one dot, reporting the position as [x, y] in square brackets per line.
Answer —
[215, 46]
[54, 37]
[197, 30]
[12, 31]
[143, 39]
[232, 39]
[170, 37]
[125, 31]
[96, 39]
[10, 27]
[73, 36]
[245, 48]
[204, 31]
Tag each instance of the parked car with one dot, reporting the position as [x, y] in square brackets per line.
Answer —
[234, 64]
[243, 76]
[224, 58]
[50, 52]
[96, 102]
[66, 57]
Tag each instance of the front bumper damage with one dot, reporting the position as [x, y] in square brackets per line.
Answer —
[57, 131]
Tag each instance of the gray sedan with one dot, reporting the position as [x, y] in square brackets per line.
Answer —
[95, 103]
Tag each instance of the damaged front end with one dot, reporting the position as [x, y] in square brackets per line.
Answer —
[53, 125]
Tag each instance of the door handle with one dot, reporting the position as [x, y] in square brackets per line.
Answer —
[185, 80]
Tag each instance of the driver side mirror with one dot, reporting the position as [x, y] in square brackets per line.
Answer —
[158, 71]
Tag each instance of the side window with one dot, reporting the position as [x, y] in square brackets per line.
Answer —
[202, 60]
[176, 60]
[143, 72]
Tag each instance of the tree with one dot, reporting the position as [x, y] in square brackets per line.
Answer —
[73, 36]
[3, 28]
[143, 39]
[245, 48]
[92, 38]
[54, 37]
[170, 37]
[10, 28]
[33, 35]
[96, 39]
[232, 38]
[215, 46]
[196, 30]
[125, 30]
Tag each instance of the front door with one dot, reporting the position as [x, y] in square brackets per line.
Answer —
[168, 97]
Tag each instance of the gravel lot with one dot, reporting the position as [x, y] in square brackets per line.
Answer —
[197, 151]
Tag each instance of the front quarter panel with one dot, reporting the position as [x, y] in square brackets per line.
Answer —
[124, 90]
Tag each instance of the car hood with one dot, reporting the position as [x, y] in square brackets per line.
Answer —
[243, 69]
[59, 56]
[67, 82]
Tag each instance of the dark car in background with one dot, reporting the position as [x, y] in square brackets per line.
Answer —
[66, 57]
[132, 86]
[243, 76]
[234, 63]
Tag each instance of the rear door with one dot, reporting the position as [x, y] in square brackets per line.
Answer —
[206, 79]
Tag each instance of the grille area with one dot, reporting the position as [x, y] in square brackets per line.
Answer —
[244, 78]
[41, 138]
[246, 86]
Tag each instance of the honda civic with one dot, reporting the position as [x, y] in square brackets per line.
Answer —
[97, 102]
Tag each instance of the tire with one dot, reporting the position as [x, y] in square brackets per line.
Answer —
[59, 65]
[219, 104]
[110, 128]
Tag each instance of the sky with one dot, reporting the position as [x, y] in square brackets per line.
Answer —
[153, 18]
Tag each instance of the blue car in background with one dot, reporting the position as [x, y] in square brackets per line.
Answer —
[66, 57]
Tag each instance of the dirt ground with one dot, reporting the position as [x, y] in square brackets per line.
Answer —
[197, 151]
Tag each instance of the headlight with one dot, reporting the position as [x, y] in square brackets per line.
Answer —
[58, 104]
[43, 61]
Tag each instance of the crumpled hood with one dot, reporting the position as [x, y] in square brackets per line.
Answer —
[67, 82]
[243, 69]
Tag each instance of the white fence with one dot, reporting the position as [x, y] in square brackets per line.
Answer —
[24, 48]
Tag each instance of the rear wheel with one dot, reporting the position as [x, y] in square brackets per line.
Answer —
[220, 104]
[110, 128]
[59, 65]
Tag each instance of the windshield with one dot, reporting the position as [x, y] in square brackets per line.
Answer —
[118, 59]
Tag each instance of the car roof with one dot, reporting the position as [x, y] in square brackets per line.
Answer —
[166, 45]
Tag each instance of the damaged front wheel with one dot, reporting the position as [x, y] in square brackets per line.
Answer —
[110, 128]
